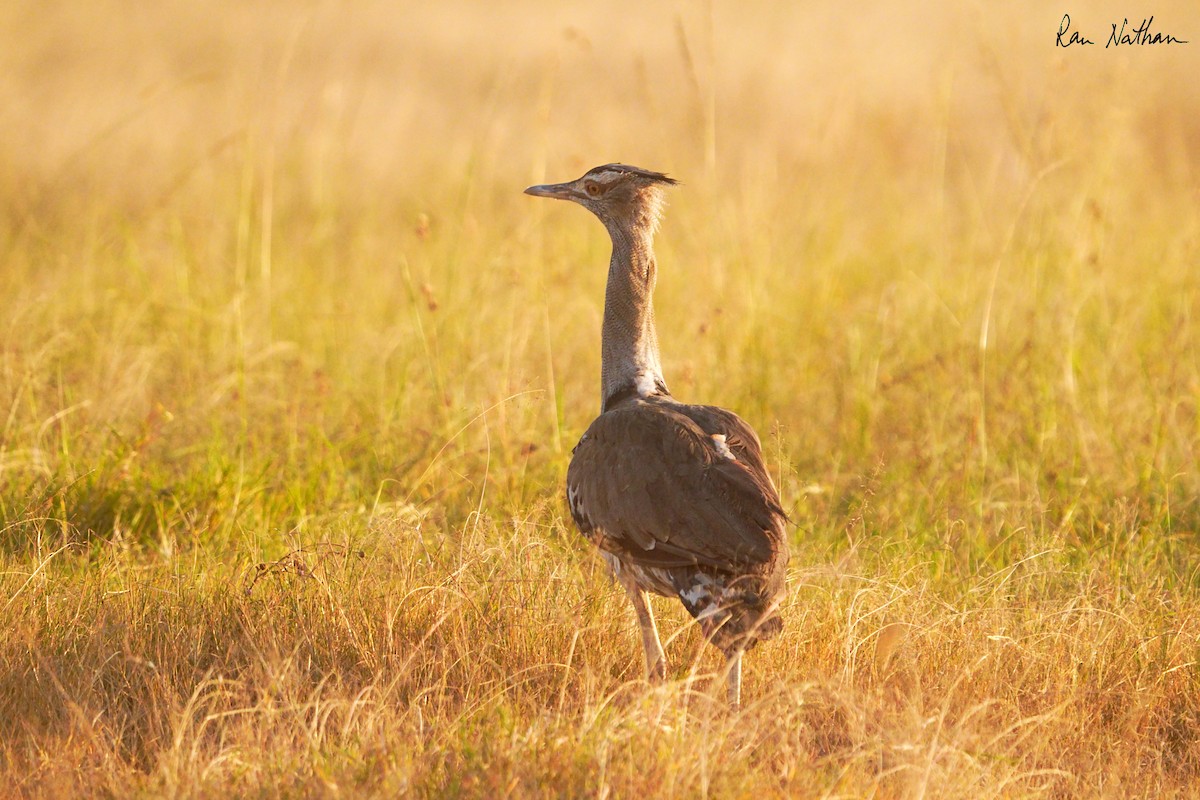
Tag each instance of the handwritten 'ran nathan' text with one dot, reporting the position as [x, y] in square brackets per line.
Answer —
[1124, 35]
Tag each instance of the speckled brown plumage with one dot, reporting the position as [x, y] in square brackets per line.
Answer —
[649, 484]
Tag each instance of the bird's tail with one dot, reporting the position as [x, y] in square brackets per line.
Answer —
[737, 616]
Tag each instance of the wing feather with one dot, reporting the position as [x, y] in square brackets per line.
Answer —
[651, 484]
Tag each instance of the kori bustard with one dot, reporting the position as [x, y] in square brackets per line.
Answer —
[676, 497]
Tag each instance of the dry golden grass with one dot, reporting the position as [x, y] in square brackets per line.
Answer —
[290, 372]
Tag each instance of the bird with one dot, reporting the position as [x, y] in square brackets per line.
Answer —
[677, 497]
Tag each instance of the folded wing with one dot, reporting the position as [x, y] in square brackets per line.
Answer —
[663, 484]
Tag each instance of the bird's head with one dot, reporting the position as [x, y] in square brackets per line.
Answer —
[625, 198]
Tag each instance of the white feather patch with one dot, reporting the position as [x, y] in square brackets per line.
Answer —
[701, 589]
[722, 448]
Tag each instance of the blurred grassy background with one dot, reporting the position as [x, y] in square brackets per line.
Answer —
[270, 283]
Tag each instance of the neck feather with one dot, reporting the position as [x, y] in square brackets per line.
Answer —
[629, 362]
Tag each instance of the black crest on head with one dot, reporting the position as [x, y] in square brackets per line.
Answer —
[650, 175]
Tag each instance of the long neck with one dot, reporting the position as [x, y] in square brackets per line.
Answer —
[629, 361]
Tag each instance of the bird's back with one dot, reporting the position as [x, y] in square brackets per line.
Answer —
[678, 496]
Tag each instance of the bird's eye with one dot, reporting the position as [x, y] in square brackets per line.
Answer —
[591, 188]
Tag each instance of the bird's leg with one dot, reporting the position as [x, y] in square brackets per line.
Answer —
[733, 678]
[656, 659]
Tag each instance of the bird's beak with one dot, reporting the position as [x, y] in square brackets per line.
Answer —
[559, 191]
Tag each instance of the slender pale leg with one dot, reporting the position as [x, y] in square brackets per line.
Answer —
[734, 679]
[656, 659]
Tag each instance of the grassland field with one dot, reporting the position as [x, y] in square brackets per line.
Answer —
[290, 374]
